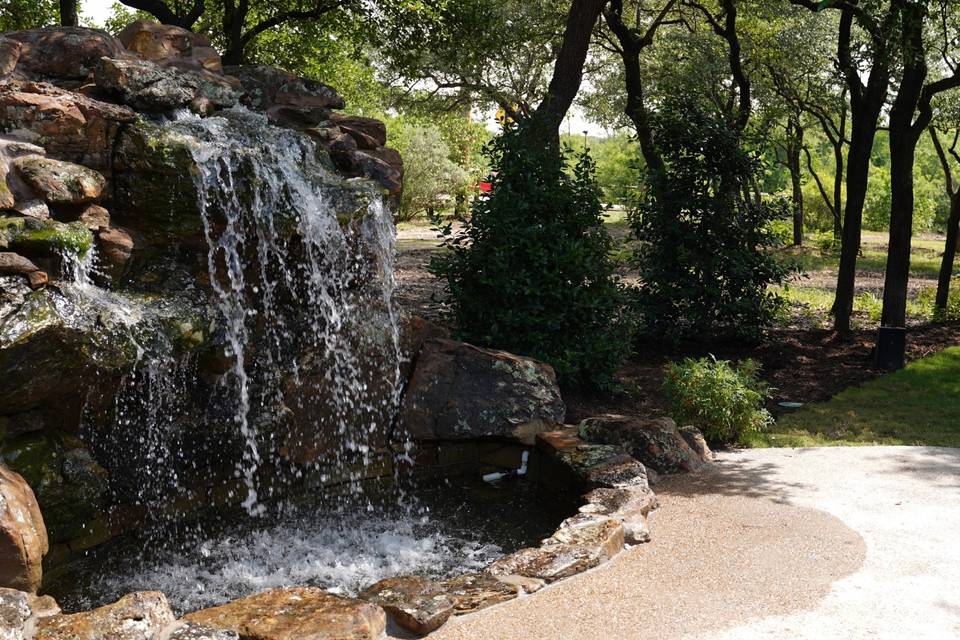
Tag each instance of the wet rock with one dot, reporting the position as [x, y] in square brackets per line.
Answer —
[23, 536]
[9, 56]
[20, 611]
[15, 193]
[58, 182]
[144, 85]
[266, 86]
[630, 505]
[371, 165]
[474, 591]
[416, 603]
[369, 133]
[12, 263]
[93, 216]
[64, 53]
[44, 239]
[168, 43]
[115, 246]
[656, 442]
[70, 126]
[36, 209]
[148, 86]
[192, 631]
[137, 616]
[414, 331]
[697, 443]
[296, 613]
[461, 392]
[594, 465]
[581, 543]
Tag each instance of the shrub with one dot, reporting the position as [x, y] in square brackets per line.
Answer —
[530, 272]
[704, 254]
[724, 401]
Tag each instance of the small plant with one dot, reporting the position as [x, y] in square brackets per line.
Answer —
[724, 401]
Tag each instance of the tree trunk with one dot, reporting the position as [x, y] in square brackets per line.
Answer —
[544, 126]
[902, 154]
[838, 190]
[233, 20]
[949, 253]
[69, 14]
[794, 149]
[858, 170]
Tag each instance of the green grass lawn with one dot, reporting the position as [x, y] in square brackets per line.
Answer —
[919, 405]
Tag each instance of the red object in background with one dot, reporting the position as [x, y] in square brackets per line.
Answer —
[486, 187]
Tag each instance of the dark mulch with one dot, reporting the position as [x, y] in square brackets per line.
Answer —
[803, 365]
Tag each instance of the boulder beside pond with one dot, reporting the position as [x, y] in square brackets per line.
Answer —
[656, 442]
[296, 613]
[461, 392]
[23, 536]
[136, 616]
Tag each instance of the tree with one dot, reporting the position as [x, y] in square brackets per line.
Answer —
[910, 117]
[484, 53]
[857, 59]
[429, 173]
[17, 15]
[69, 15]
[952, 189]
[175, 12]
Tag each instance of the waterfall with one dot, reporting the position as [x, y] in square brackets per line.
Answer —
[292, 286]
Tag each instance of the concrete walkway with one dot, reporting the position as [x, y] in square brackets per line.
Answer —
[841, 543]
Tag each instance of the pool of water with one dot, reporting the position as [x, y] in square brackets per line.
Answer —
[455, 527]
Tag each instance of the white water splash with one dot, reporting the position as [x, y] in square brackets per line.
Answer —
[343, 555]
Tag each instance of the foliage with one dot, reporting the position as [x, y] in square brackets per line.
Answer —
[915, 406]
[430, 176]
[16, 15]
[531, 272]
[722, 400]
[927, 298]
[616, 157]
[704, 263]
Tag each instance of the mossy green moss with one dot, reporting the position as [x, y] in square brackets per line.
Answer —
[45, 237]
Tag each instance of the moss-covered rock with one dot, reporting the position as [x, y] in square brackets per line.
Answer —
[44, 238]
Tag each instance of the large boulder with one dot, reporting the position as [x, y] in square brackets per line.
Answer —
[23, 536]
[297, 613]
[656, 442]
[13, 188]
[142, 615]
[9, 56]
[461, 392]
[70, 126]
[165, 43]
[147, 86]
[59, 182]
[64, 53]
[266, 86]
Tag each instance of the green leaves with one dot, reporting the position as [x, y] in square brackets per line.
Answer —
[531, 271]
[722, 400]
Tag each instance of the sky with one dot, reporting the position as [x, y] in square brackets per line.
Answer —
[99, 10]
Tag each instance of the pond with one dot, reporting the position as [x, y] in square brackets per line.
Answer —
[456, 526]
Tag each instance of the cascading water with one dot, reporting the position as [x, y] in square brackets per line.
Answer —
[291, 285]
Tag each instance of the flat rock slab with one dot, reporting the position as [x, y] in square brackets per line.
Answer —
[60, 182]
[474, 591]
[296, 613]
[193, 631]
[137, 616]
[416, 603]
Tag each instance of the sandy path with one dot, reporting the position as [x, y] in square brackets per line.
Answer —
[815, 543]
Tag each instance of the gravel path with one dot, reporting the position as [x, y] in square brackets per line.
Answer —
[841, 543]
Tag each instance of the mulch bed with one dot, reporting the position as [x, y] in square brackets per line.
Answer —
[803, 365]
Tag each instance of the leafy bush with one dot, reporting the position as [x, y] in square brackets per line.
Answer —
[530, 272]
[724, 401]
[704, 259]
